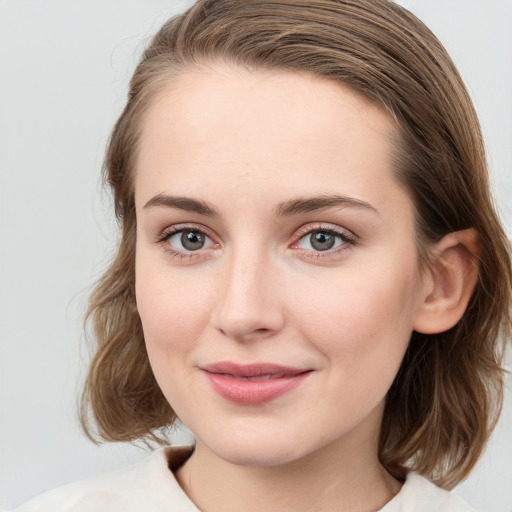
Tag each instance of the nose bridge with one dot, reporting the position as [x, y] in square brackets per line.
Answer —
[248, 303]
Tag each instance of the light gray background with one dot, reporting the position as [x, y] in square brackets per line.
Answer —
[64, 67]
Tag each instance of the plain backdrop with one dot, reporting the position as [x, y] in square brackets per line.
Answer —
[64, 67]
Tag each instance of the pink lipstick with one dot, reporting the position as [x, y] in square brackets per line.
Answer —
[253, 384]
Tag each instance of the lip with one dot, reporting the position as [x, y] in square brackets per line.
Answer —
[253, 384]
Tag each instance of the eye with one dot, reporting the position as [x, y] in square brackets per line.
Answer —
[182, 241]
[324, 240]
[189, 240]
[319, 241]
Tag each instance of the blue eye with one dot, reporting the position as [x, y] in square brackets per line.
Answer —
[321, 240]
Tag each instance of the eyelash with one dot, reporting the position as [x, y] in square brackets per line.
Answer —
[348, 240]
[167, 234]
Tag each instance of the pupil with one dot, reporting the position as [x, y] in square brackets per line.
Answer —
[192, 240]
[322, 241]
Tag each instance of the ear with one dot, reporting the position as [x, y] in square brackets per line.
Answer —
[450, 281]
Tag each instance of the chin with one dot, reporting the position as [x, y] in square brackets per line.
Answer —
[258, 457]
[257, 451]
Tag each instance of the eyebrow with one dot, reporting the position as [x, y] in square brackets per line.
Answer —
[288, 208]
[312, 204]
[182, 203]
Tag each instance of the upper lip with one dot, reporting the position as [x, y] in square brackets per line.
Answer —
[253, 369]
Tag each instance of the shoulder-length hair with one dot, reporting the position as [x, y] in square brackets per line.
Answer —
[447, 394]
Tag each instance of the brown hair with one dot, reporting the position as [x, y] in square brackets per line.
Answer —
[447, 394]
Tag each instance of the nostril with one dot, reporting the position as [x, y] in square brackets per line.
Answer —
[246, 334]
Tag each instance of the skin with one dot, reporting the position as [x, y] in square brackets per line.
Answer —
[245, 143]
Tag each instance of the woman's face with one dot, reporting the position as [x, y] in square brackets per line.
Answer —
[277, 277]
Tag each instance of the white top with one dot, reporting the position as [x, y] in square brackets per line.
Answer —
[150, 486]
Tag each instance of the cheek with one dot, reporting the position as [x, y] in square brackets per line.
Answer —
[173, 307]
[360, 315]
[174, 313]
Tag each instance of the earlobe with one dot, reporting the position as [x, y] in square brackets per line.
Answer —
[453, 277]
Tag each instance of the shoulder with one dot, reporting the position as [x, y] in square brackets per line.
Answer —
[420, 495]
[147, 485]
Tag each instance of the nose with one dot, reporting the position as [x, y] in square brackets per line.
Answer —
[249, 305]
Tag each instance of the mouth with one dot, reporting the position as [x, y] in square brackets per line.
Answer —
[253, 384]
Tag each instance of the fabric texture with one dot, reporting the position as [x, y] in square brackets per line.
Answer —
[150, 486]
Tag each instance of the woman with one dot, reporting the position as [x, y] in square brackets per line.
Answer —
[311, 275]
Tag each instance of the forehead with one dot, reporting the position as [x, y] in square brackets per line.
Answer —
[222, 125]
[210, 95]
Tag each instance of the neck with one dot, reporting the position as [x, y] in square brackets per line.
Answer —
[340, 476]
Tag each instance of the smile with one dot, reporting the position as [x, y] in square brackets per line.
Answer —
[253, 384]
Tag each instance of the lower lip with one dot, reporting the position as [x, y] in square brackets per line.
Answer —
[253, 392]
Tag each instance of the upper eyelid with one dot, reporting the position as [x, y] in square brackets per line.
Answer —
[331, 228]
[178, 228]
